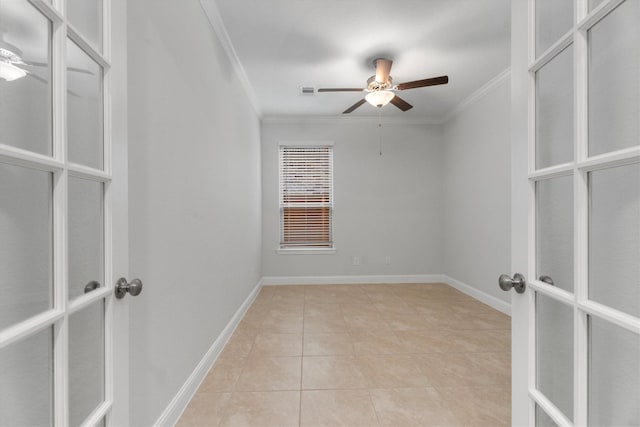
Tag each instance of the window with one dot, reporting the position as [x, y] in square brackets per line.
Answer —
[306, 196]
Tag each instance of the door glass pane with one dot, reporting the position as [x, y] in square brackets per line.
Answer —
[553, 20]
[84, 108]
[26, 233]
[594, 3]
[614, 238]
[26, 378]
[614, 85]
[25, 77]
[86, 17]
[554, 111]
[614, 375]
[554, 347]
[554, 231]
[86, 362]
[542, 419]
[86, 236]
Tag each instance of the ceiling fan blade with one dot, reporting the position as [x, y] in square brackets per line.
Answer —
[401, 103]
[41, 80]
[341, 89]
[434, 81]
[383, 69]
[44, 64]
[354, 106]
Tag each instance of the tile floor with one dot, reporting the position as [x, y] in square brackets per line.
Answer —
[361, 355]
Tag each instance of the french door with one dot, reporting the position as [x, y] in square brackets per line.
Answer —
[576, 212]
[62, 214]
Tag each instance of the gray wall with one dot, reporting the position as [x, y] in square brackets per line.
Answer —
[195, 201]
[476, 188]
[384, 205]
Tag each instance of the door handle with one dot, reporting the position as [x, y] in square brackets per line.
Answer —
[122, 287]
[518, 282]
[547, 280]
[91, 286]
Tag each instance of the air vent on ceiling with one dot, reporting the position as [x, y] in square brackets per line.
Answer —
[307, 90]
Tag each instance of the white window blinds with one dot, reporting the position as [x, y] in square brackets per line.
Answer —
[306, 196]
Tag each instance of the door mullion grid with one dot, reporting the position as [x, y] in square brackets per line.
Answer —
[581, 225]
[531, 220]
[61, 327]
[109, 332]
[579, 326]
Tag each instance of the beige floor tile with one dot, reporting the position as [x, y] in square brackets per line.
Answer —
[322, 309]
[324, 324]
[468, 341]
[392, 371]
[422, 341]
[466, 369]
[204, 410]
[334, 408]
[320, 298]
[239, 345]
[381, 296]
[362, 308]
[470, 306]
[270, 373]
[285, 309]
[274, 344]
[332, 372]
[405, 322]
[377, 342]
[262, 409]
[223, 375]
[393, 307]
[327, 345]
[479, 406]
[365, 323]
[421, 354]
[502, 339]
[422, 407]
[282, 324]
[247, 327]
[478, 321]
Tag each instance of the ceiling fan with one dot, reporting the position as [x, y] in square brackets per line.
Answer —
[381, 90]
[12, 65]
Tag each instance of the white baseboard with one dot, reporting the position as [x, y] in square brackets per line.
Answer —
[352, 280]
[174, 410]
[490, 300]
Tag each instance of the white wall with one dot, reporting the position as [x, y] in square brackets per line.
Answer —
[195, 201]
[476, 192]
[385, 205]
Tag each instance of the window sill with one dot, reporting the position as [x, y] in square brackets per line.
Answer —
[306, 251]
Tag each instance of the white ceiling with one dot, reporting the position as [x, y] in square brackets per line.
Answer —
[285, 44]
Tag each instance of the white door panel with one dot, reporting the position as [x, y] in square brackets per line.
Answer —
[63, 206]
[576, 212]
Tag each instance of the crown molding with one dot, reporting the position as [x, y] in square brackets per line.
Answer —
[477, 95]
[213, 15]
[307, 119]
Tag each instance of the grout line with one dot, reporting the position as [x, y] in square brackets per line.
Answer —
[375, 411]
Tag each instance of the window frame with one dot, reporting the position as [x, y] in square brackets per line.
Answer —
[282, 248]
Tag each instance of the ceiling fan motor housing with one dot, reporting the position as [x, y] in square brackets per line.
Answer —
[373, 84]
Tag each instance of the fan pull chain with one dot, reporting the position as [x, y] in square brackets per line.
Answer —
[380, 128]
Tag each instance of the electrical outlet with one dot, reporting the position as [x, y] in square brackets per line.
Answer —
[387, 260]
[355, 260]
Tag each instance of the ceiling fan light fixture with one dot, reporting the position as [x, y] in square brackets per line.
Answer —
[379, 98]
[10, 72]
